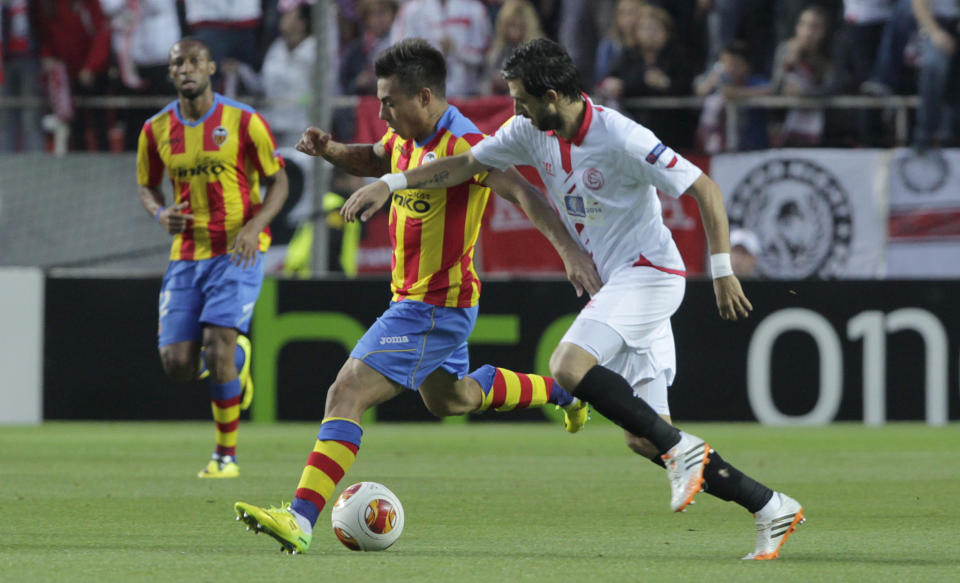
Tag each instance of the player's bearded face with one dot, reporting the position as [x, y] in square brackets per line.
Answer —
[541, 115]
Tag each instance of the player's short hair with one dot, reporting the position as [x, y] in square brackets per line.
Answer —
[542, 64]
[415, 64]
[192, 40]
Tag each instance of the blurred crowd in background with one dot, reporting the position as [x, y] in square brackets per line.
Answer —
[717, 50]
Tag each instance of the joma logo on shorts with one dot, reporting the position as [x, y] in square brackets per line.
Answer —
[393, 339]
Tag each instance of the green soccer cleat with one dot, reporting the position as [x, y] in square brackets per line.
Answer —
[246, 379]
[278, 523]
[220, 467]
[575, 415]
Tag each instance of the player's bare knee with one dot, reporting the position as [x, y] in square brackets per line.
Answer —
[567, 377]
[564, 374]
[178, 366]
[640, 445]
[347, 397]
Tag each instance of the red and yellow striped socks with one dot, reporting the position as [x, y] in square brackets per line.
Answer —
[225, 404]
[505, 390]
[337, 444]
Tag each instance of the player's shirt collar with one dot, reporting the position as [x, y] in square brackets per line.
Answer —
[213, 107]
[443, 123]
[584, 126]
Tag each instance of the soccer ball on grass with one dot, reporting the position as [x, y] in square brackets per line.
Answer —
[367, 517]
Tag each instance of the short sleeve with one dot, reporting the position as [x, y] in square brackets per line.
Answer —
[149, 164]
[504, 148]
[650, 161]
[464, 144]
[264, 148]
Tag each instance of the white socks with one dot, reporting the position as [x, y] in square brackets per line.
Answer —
[302, 521]
[769, 509]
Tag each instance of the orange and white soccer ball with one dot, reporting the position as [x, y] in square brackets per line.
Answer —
[367, 517]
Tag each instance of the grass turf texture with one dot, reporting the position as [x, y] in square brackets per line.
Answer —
[484, 502]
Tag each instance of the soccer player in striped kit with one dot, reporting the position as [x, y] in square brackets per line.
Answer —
[216, 152]
[602, 171]
[419, 343]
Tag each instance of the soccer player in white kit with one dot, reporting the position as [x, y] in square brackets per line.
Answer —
[602, 171]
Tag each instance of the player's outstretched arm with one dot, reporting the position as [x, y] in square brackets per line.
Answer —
[731, 301]
[580, 268]
[356, 159]
[443, 173]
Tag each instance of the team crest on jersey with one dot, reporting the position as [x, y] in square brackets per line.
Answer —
[593, 179]
[429, 157]
[801, 214]
[548, 168]
[220, 135]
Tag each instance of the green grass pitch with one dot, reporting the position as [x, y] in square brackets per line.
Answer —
[492, 502]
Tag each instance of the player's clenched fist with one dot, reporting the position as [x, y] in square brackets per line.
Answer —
[173, 220]
[313, 141]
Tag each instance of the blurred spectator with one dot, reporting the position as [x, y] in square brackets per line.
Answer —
[21, 72]
[517, 22]
[343, 238]
[754, 21]
[690, 24]
[744, 251]
[143, 32]
[889, 69]
[286, 78]
[75, 35]
[582, 24]
[802, 68]
[356, 68]
[229, 28]
[549, 13]
[731, 79]
[654, 67]
[622, 34]
[859, 39]
[460, 29]
[855, 51]
[938, 82]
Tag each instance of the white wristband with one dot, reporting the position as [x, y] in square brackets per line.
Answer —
[396, 181]
[720, 265]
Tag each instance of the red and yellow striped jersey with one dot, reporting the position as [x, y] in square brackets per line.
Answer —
[434, 231]
[215, 165]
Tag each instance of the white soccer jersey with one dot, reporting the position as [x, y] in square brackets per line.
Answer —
[603, 184]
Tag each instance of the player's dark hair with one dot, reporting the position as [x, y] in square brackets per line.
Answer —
[415, 64]
[542, 64]
[192, 40]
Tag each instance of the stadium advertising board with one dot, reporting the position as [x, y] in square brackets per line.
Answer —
[813, 352]
[924, 214]
[817, 213]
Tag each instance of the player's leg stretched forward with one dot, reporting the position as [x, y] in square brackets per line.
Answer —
[359, 387]
[373, 375]
[691, 464]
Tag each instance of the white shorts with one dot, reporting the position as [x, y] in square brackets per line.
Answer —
[626, 327]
